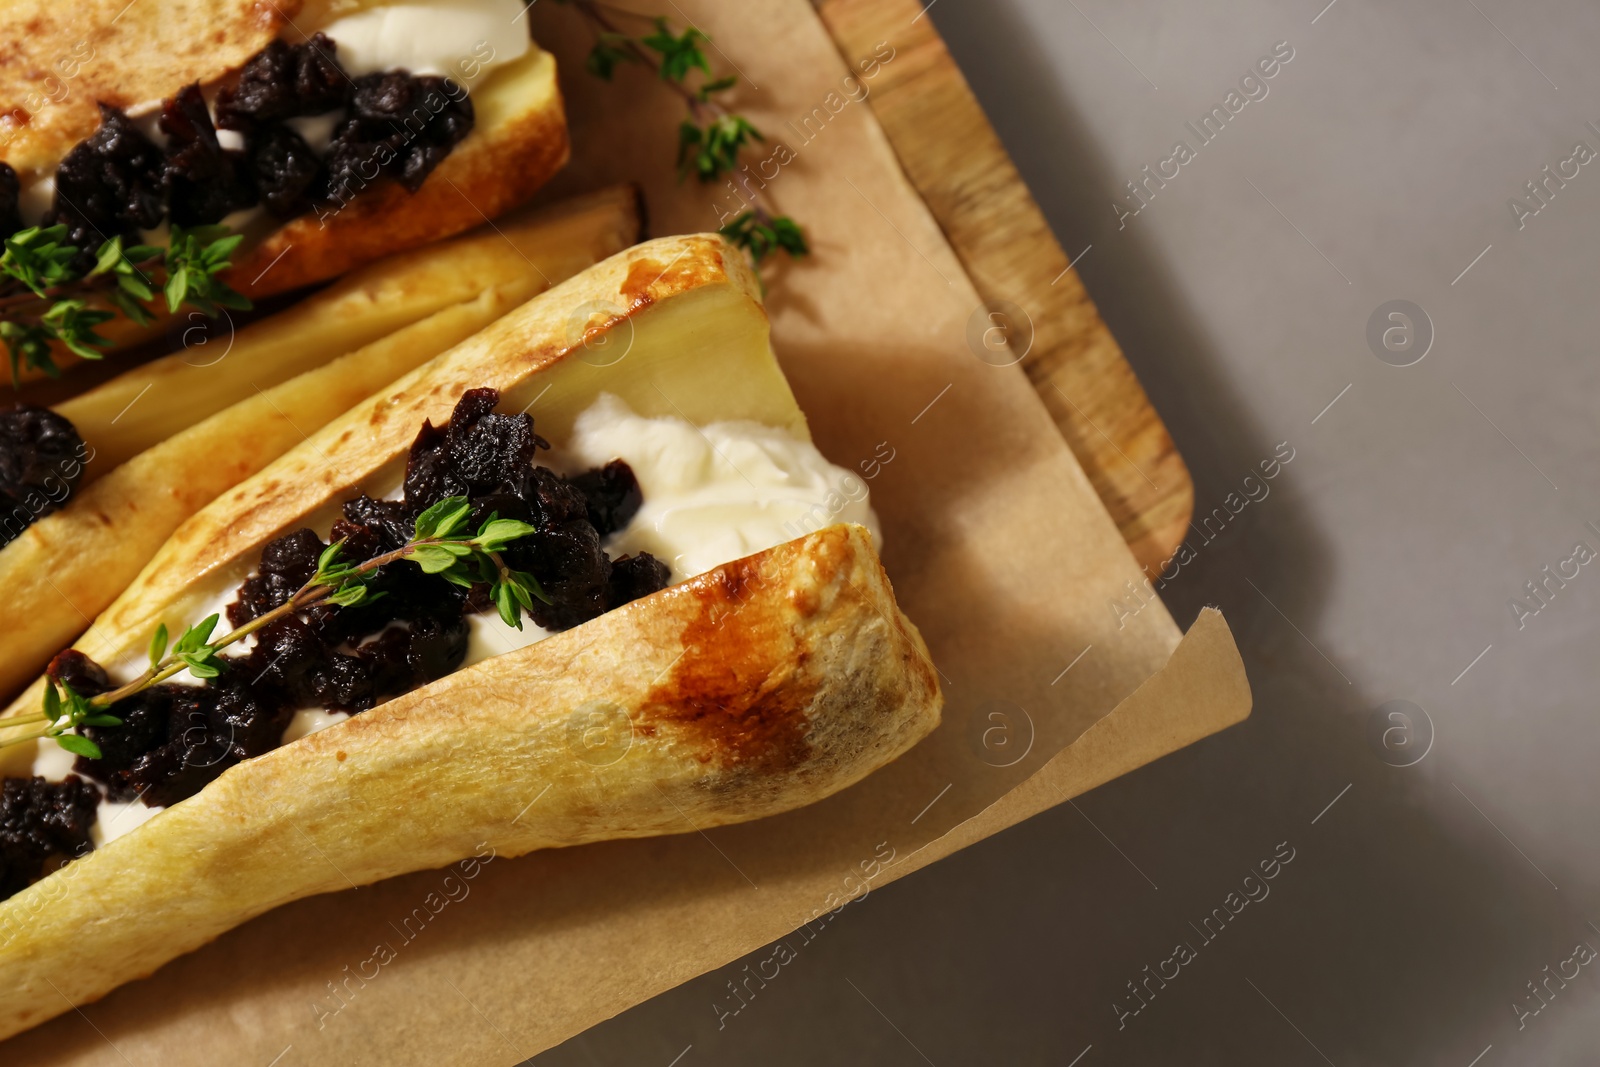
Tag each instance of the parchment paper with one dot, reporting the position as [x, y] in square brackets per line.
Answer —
[999, 551]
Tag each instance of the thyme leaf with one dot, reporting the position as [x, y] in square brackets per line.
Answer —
[437, 547]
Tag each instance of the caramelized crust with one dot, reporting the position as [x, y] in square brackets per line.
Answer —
[58, 59]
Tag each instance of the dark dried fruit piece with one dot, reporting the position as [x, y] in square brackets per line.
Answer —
[286, 170]
[41, 460]
[205, 182]
[41, 821]
[613, 496]
[284, 81]
[113, 183]
[78, 672]
[286, 564]
[399, 127]
[633, 577]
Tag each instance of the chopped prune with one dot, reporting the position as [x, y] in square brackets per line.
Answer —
[287, 172]
[41, 821]
[113, 183]
[476, 453]
[633, 577]
[248, 718]
[205, 182]
[389, 522]
[41, 460]
[286, 565]
[284, 81]
[572, 569]
[174, 739]
[10, 201]
[613, 496]
[78, 672]
[194, 749]
[413, 654]
[352, 658]
[144, 728]
[400, 127]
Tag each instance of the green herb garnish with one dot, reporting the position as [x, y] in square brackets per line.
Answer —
[45, 300]
[436, 545]
[711, 139]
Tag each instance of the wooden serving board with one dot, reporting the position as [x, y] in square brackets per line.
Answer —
[955, 161]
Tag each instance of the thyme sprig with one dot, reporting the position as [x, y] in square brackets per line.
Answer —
[711, 138]
[438, 545]
[46, 299]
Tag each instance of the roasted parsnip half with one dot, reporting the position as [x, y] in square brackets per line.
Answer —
[63, 60]
[761, 685]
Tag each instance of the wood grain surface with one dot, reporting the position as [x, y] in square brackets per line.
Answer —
[955, 161]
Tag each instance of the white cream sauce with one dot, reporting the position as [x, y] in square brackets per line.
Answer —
[316, 130]
[458, 39]
[35, 199]
[715, 493]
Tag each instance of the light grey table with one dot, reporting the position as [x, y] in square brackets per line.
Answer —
[1444, 861]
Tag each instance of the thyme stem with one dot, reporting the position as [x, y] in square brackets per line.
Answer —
[436, 546]
[308, 595]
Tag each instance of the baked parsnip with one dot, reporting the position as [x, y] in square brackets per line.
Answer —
[765, 679]
[66, 567]
[328, 135]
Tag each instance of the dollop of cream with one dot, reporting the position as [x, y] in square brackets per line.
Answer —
[715, 493]
[488, 636]
[114, 820]
[459, 39]
[35, 200]
[309, 721]
[51, 761]
[315, 130]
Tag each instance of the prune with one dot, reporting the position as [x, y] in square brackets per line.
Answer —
[41, 460]
[405, 657]
[476, 453]
[635, 576]
[284, 81]
[10, 207]
[400, 127]
[573, 570]
[195, 749]
[144, 728]
[287, 564]
[613, 496]
[554, 499]
[286, 170]
[359, 542]
[78, 672]
[118, 181]
[205, 183]
[174, 739]
[250, 717]
[113, 183]
[389, 520]
[40, 821]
